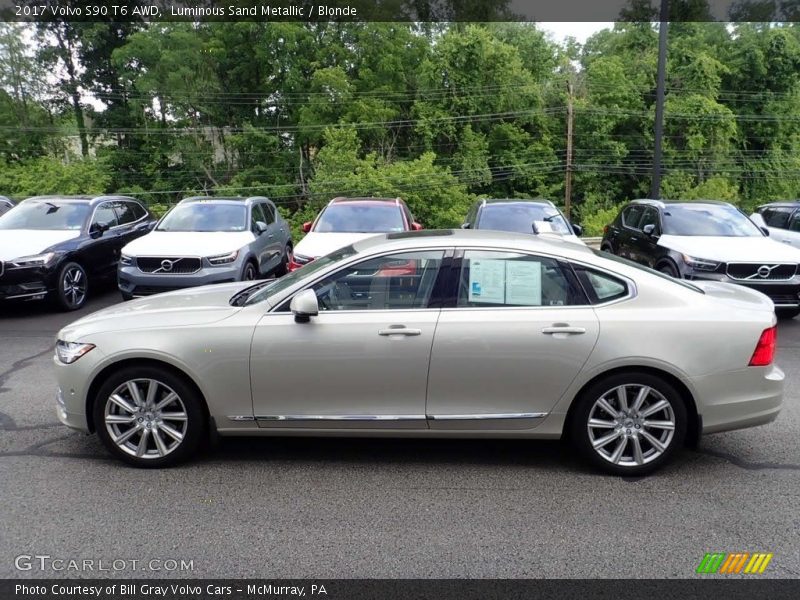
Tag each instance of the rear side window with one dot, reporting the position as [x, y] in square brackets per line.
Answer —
[492, 279]
[601, 287]
[794, 222]
[632, 215]
[777, 217]
[126, 212]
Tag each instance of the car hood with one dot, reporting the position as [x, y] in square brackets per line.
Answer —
[317, 244]
[188, 243]
[182, 308]
[15, 243]
[731, 249]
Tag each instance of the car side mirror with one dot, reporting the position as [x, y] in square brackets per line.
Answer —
[765, 230]
[304, 306]
[261, 227]
[577, 229]
[416, 226]
[96, 230]
[307, 226]
[649, 229]
[465, 226]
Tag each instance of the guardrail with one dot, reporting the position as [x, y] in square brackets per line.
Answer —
[593, 242]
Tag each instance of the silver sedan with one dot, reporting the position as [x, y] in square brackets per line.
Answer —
[448, 334]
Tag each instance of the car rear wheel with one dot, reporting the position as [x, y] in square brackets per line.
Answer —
[629, 423]
[607, 248]
[787, 313]
[149, 417]
[72, 286]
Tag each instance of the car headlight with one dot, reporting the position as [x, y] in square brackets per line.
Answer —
[37, 260]
[125, 260]
[69, 352]
[700, 264]
[224, 259]
[302, 260]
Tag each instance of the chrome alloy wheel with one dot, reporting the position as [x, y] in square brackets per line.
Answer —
[145, 418]
[74, 285]
[631, 425]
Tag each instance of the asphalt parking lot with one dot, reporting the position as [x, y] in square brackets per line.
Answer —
[381, 508]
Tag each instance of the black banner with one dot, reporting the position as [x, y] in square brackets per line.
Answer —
[397, 10]
[416, 589]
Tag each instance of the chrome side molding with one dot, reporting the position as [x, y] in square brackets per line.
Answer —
[368, 418]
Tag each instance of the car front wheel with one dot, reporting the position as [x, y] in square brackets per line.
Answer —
[149, 417]
[72, 287]
[629, 423]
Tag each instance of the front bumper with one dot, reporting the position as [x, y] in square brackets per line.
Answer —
[784, 294]
[134, 282]
[26, 284]
[739, 399]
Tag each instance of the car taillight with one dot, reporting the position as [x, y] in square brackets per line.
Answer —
[765, 349]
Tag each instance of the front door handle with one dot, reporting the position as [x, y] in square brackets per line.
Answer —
[401, 330]
[563, 329]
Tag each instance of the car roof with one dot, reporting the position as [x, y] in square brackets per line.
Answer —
[512, 201]
[84, 199]
[436, 238]
[365, 200]
[665, 203]
[223, 199]
[782, 204]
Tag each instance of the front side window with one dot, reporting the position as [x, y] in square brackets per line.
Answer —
[393, 282]
[269, 213]
[360, 217]
[205, 216]
[106, 215]
[256, 215]
[777, 217]
[650, 217]
[46, 215]
[496, 279]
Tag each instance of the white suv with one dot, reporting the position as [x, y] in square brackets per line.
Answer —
[782, 219]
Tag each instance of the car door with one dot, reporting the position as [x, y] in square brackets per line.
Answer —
[629, 231]
[518, 335]
[261, 243]
[363, 361]
[103, 249]
[643, 247]
[276, 235]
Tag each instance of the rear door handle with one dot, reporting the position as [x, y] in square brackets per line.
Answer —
[563, 329]
[402, 330]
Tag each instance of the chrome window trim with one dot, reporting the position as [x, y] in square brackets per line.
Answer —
[131, 224]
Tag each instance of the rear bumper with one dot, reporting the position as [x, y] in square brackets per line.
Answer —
[739, 399]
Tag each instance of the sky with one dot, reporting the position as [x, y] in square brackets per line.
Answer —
[580, 31]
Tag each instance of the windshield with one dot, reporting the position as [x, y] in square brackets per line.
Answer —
[202, 216]
[361, 217]
[520, 218]
[708, 219]
[635, 265]
[287, 281]
[46, 215]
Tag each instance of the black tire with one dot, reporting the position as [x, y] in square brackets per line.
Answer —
[250, 271]
[283, 268]
[787, 313]
[667, 269]
[193, 429]
[606, 247]
[126, 296]
[72, 287]
[650, 457]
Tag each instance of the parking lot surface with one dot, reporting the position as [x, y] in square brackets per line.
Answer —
[380, 508]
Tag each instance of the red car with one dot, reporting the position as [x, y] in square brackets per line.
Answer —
[346, 220]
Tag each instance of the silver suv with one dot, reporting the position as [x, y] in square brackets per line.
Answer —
[205, 240]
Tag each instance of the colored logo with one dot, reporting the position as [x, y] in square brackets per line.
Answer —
[734, 563]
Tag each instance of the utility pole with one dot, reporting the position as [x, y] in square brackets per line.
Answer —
[568, 180]
[655, 189]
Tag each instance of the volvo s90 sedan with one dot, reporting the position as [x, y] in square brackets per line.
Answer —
[492, 335]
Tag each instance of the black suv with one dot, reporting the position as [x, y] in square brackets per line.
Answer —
[58, 246]
[707, 240]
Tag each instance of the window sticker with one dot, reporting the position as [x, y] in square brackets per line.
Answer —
[543, 226]
[524, 283]
[487, 281]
